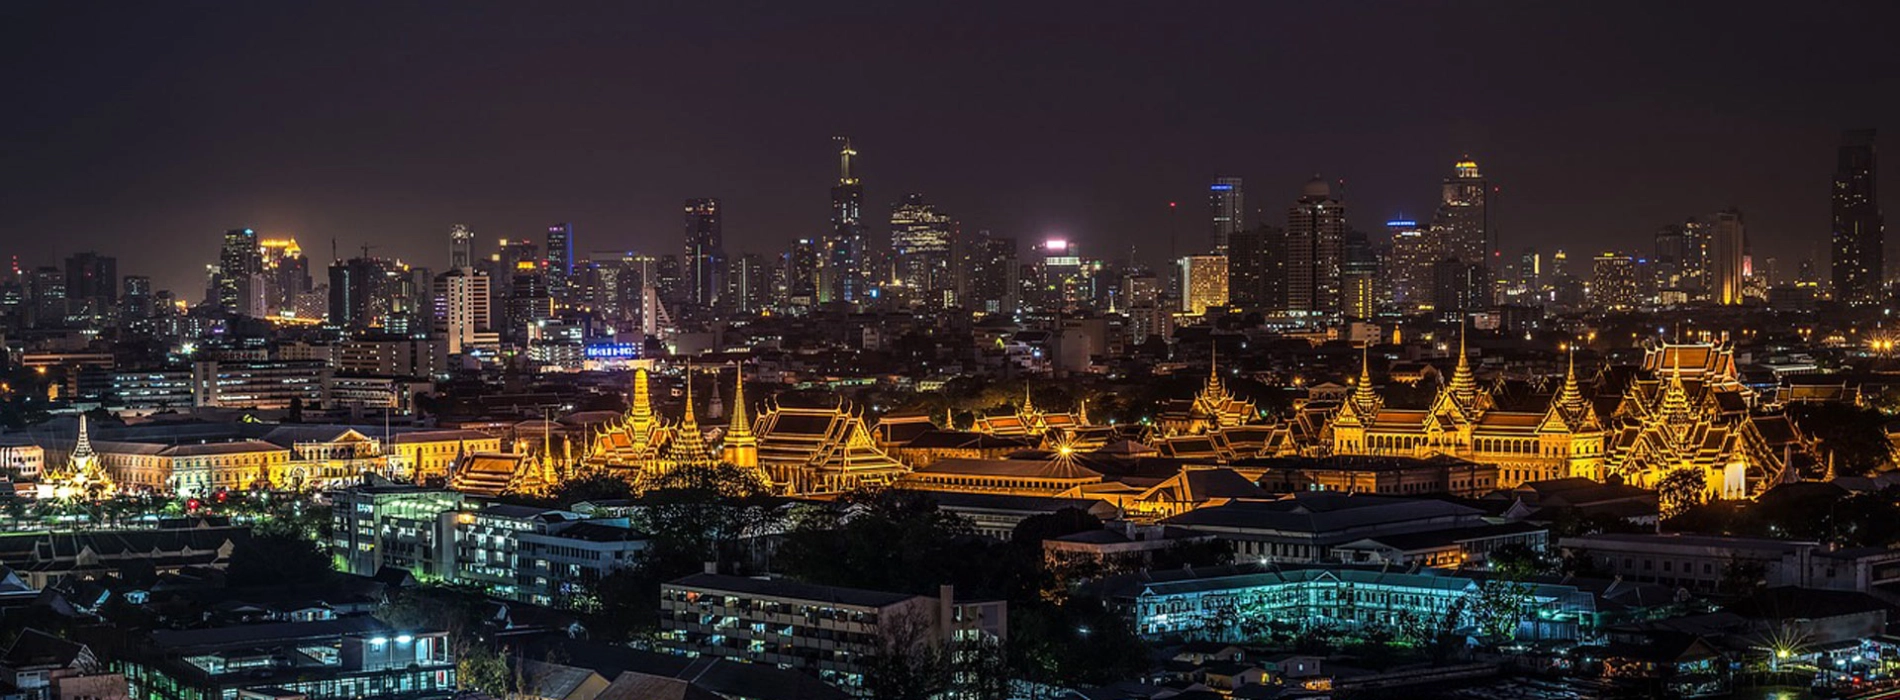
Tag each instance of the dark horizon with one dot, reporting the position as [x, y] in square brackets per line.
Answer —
[387, 124]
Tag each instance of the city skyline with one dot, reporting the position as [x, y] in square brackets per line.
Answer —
[441, 131]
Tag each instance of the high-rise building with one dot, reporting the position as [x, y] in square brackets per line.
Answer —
[1859, 232]
[136, 302]
[92, 284]
[748, 283]
[46, 287]
[801, 266]
[1461, 222]
[842, 271]
[1681, 258]
[1360, 287]
[360, 293]
[1203, 283]
[462, 309]
[530, 302]
[705, 252]
[1059, 278]
[560, 263]
[1315, 237]
[1728, 249]
[1256, 268]
[286, 274]
[1227, 212]
[1613, 285]
[994, 271]
[239, 261]
[1414, 250]
[922, 239]
[461, 247]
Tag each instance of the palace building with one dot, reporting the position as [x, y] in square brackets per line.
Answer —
[83, 479]
[821, 450]
[1212, 410]
[1691, 411]
[625, 447]
[1462, 421]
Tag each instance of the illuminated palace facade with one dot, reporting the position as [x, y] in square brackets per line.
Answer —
[794, 450]
[1563, 440]
[1687, 410]
[1691, 411]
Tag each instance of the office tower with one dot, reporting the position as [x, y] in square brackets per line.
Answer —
[1359, 286]
[136, 301]
[46, 288]
[560, 261]
[1459, 287]
[461, 247]
[92, 284]
[1613, 285]
[705, 252]
[1061, 284]
[1460, 221]
[1859, 233]
[1203, 283]
[1315, 233]
[842, 271]
[1728, 246]
[748, 283]
[239, 261]
[669, 278]
[922, 239]
[1255, 268]
[359, 293]
[994, 284]
[1414, 251]
[462, 308]
[1227, 212]
[801, 273]
[530, 302]
[285, 272]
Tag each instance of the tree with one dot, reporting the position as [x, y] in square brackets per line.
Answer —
[482, 669]
[277, 558]
[596, 487]
[1681, 490]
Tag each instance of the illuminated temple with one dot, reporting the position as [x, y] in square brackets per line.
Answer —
[84, 477]
[821, 450]
[1691, 411]
[1212, 410]
[1565, 439]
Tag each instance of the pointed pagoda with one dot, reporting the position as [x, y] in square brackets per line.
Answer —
[83, 478]
[1212, 409]
[630, 445]
[688, 448]
[740, 447]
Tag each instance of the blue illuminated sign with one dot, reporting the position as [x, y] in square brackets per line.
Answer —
[612, 351]
[1401, 223]
[1220, 188]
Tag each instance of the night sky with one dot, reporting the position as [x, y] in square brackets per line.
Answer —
[145, 129]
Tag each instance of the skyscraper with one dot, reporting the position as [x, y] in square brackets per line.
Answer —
[921, 239]
[1460, 222]
[801, 272]
[705, 252]
[748, 281]
[285, 272]
[1728, 248]
[1315, 235]
[1254, 269]
[1859, 235]
[1613, 282]
[92, 283]
[1360, 287]
[1203, 283]
[462, 309]
[137, 302]
[1413, 252]
[995, 287]
[239, 261]
[842, 271]
[1227, 212]
[461, 247]
[560, 267]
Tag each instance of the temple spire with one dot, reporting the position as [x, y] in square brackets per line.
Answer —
[741, 425]
[641, 414]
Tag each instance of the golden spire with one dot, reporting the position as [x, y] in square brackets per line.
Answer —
[1362, 394]
[641, 414]
[1463, 386]
[741, 426]
[1029, 406]
[687, 420]
[1082, 411]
